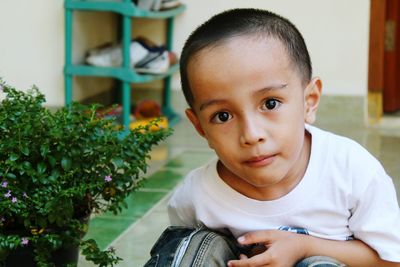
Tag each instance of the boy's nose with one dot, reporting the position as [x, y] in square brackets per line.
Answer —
[252, 133]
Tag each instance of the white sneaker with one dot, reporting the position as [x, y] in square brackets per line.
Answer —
[156, 5]
[168, 4]
[154, 63]
[112, 56]
[165, 4]
[145, 4]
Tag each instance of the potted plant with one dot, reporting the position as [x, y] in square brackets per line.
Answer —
[58, 168]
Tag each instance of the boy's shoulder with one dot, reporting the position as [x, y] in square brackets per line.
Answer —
[339, 147]
[345, 156]
[190, 193]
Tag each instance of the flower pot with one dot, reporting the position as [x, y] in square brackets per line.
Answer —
[24, 257]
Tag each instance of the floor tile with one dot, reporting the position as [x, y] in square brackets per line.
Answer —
[106, 229]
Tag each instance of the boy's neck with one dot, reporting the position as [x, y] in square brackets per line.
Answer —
[271, 192]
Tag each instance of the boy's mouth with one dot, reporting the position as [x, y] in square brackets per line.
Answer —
[260, 161]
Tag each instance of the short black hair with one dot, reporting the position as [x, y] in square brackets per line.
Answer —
[240, 22]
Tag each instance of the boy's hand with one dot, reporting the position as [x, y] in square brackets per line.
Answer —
[282, 249]
[286, 249]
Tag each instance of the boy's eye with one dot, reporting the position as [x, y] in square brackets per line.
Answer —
[271, 104]
[221, 117]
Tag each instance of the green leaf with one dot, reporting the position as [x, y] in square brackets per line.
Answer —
[118, 163]
[25, 151]
[41, 167]
[44, 149]
[13, 157]
[52, 161]
[26, 165]
[54, 175]
[11, 175]
[66, 164]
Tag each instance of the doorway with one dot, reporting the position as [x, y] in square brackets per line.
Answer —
[384, 59]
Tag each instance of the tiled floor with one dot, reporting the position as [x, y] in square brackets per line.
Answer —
[134, 231]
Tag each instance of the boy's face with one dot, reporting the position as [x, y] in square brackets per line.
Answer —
[251, 106]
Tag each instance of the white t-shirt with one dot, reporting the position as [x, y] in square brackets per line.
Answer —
[344, 193]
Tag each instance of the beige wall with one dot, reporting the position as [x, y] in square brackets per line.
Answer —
[31, 45]
[32, 40]
[336, 33]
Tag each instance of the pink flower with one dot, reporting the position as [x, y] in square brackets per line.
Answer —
[14, 199]
[108, 178]
[24, 241]
[4, 184]
[8, 194]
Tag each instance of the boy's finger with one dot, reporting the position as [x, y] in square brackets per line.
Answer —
[256, 237]
[243, 257]
[259, 260]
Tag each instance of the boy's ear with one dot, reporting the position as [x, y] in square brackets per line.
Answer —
[195, 121]
[312, 97]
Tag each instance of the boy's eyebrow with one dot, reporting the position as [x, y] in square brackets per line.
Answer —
[270, 88]
[258, 92]
[211, 102]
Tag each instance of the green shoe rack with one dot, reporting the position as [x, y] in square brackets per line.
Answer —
[127, 9]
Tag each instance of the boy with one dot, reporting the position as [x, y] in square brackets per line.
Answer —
[278, 182]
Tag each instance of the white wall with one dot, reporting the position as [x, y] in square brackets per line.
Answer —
[32, 40]
[336, 33]
[31, 45]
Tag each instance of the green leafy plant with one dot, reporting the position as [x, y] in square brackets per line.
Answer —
[58, 168]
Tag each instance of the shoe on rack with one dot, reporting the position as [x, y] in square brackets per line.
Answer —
[159, 5]
[168, 4]
[111, 56]
[153, 63]
[173, 58]
[157, 61]
[144, 4]
[114, 112]
[156, 5]
[150, 46]
[147, 108]
[146, 56]
[108, 55]
[146, 111]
